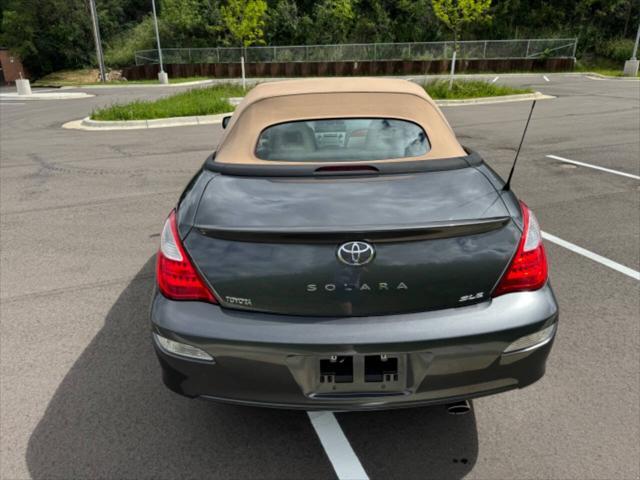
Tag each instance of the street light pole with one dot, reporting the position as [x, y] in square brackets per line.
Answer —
[635, 46]
[631, 65]
[162, 76]
[98, 40]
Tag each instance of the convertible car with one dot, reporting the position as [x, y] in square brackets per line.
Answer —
[340, 250]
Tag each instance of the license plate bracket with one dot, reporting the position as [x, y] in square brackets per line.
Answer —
[367, 374]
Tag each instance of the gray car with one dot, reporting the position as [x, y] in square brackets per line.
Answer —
[340, 250]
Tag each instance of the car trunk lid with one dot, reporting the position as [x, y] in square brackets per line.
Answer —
[440, 239]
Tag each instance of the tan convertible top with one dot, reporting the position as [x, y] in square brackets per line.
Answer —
[328, 98]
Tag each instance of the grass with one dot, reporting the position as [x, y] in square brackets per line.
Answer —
[603, 66]
[197, 101]
[463, 89]
[89, 76]
[63, 78]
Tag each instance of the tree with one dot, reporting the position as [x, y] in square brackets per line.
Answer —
[373, 23]
[285, 25]
[48, 34]
[191, 23]
[455, 14]
[414, 21]
[333, 21]
[118, 15]
[245, 20]
[52, 35]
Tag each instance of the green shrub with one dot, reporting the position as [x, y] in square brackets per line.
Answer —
[618, 50]
[121, 51]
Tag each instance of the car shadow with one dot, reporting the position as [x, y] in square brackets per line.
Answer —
[111, 417]
[413, 443]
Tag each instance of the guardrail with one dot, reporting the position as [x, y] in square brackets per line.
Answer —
[470, 50]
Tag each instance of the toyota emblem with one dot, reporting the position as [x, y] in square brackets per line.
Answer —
[355, 253]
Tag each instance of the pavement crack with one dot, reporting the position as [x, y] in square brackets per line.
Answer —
[75, 288]
[89, 203]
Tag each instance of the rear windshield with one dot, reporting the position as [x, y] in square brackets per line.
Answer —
[350, 139]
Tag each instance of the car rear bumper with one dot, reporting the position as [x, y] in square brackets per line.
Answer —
[272, 360]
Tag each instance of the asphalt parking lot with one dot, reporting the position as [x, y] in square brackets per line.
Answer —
[80, 388]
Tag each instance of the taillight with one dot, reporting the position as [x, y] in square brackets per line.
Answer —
[176, 276]
[528, 269]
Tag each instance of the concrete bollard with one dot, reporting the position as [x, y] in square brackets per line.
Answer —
[631, 68]
[163, 78]
[23, 86]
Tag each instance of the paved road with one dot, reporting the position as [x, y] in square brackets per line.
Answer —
[80, 392]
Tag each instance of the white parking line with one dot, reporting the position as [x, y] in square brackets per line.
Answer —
[546, 79]
[592, 256]
[341, 455]
[595, 167]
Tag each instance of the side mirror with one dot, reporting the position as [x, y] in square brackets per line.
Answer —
[225, 121]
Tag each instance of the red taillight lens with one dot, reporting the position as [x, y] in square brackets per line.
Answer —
[528, 269]
[176, 276]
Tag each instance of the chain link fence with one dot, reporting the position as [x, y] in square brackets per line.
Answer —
[360, 52]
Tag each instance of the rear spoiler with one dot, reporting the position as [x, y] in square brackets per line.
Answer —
[320, 169]
[394, 233]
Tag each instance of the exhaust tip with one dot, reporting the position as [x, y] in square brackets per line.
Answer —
[459, 408]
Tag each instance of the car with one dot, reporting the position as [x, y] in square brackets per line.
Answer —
[301, 269]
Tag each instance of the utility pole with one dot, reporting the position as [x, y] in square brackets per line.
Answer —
[98, 40]
[631, 65]
[162, 76]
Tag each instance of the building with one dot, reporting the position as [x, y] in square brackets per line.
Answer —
[10, 67]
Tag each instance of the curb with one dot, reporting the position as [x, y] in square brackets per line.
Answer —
[599, 76]
[138, 85]
[45, 96]
[88, 124]
[520, 97]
